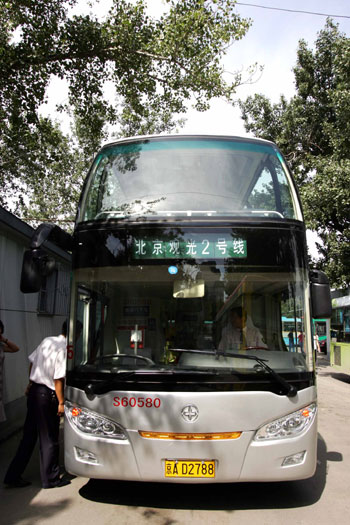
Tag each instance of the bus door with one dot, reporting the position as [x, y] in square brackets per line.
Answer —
[92, 308]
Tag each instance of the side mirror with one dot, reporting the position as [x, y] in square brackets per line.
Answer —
[36, 265]
[320, 295]
[30, 276]
[49, 231]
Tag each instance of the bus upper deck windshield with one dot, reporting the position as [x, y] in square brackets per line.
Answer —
[187, 176]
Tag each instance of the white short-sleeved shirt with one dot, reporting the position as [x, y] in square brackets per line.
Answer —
[49, 361]
[233, 338]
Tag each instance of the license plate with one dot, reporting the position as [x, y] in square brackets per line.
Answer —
[189, 469]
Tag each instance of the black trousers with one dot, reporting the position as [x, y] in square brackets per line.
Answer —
[42, 420]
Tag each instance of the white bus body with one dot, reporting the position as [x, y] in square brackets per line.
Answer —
[175, 238]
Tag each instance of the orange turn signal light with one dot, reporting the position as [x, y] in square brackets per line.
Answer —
[76, 411]
[189, 436]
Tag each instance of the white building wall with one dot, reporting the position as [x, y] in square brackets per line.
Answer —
[19, 314]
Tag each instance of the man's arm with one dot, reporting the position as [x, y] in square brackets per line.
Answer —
[59, 389]
[29, 383]
[9, 346]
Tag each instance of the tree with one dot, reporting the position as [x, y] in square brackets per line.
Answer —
[313, 131]
[156, 66]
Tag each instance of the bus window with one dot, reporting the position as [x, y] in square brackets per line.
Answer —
[168, 177]
[263, 195]
[147, 320]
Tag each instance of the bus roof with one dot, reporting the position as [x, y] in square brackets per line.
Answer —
[180, 136]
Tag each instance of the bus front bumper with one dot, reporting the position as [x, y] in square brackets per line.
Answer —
[237, 460]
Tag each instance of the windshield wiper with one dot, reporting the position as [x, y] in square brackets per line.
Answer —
[194, 351]
[102, 387]
[289, 389]
[110, 384]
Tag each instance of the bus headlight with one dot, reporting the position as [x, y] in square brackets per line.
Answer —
[288, 426]
[88, 422]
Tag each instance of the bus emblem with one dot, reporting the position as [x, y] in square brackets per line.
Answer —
[190, 413]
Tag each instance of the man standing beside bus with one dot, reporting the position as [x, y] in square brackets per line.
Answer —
[45, 406]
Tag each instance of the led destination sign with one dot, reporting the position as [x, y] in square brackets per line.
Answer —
[193, 246]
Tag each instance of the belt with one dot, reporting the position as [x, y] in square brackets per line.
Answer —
[42, 388]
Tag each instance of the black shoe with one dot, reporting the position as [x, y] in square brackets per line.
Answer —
[69, 476]
[60, 483]
[66, 475]
[63, 482]
[18, 483]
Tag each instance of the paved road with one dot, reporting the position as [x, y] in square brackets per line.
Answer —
[324, 499]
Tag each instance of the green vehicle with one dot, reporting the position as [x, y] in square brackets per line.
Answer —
[294, 325]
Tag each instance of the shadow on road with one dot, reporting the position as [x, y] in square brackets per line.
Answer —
[229, 497]
[324, 369]
[339, 376]
[24, 505]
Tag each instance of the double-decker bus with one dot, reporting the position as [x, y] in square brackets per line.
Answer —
[181, 243]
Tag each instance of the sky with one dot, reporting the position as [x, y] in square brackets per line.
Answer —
[272, 42]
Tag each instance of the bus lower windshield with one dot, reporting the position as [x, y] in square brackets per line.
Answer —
[189, 316]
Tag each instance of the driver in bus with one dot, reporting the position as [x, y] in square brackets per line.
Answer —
[240, 332]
